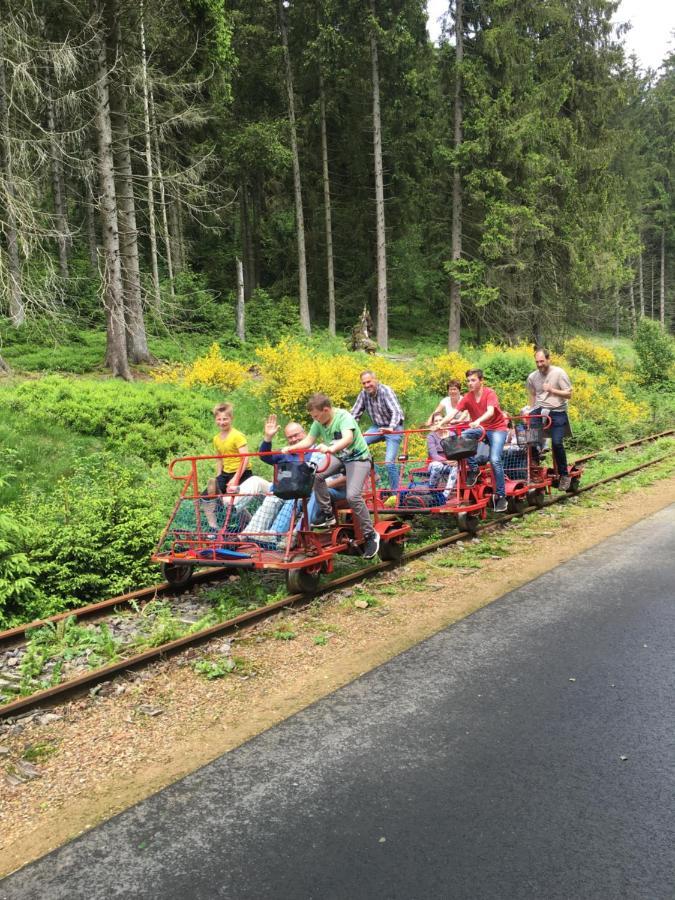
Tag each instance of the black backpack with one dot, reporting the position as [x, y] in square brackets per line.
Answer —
[457, 446]
[293, 480]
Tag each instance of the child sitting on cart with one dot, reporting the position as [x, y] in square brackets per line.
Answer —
[440, 467]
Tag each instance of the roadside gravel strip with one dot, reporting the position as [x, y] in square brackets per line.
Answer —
[109, 750]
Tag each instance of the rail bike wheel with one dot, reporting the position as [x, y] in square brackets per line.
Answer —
[177, 574]
[468, 522]
[391, 551]
[302, 581]
[537, 498]
[517, 504]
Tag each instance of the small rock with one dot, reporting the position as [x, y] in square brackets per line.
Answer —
[571, 679]
[13, 780]
[12, 662]
[49, 718]
[361, 604]
[4, 751]
[623, 758]
[148, 710]
[27, 770]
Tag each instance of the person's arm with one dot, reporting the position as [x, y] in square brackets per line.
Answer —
[531, 390]
[233, 483]
[359, 406]
[335, 446]
[490, 410]
[565, 392]
[272, 458]
[304, 444]
[457, 416]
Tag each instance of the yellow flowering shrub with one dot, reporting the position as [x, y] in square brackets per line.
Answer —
[584, 354]
[211, 370]
[445, 368]
[599, 399]
[512, 396]
[291, 372]
[167, 373]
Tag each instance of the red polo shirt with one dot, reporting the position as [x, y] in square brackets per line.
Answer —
[477, 408]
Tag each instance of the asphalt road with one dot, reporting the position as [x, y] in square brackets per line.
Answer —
[525, 752]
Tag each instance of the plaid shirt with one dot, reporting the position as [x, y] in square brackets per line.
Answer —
[382, 407]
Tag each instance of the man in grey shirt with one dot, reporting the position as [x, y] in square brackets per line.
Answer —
[550, 389]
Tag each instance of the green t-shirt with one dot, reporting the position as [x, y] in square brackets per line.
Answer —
[341, 421]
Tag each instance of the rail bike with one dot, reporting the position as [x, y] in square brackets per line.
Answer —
[265, 524]
[419, 491]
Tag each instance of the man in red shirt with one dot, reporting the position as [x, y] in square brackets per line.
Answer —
[482, 404]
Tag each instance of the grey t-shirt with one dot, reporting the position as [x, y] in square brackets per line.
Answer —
[558, 379]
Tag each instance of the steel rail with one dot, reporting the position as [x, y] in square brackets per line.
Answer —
[620, 447]
[104, 673]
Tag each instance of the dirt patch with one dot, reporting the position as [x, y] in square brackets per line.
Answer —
[149, 729]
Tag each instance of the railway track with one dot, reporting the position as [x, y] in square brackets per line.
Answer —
[14, 636]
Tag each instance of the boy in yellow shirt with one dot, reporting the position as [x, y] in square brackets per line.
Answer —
[228, 442]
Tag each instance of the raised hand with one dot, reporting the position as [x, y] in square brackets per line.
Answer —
[271, 427]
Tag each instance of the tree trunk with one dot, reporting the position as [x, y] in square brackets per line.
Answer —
[136, 338]
[641, 285]
[246, 241]
[297, 185]
[652, 291]
[241, 305]
[149, 167]
[58, 184]
[633, 317]
[17, 311]
[455, 319]
[113, 298]
[176, 231]
[381, 236]
[662, 283]
[162, 194]
[327, 207]
[92, 242]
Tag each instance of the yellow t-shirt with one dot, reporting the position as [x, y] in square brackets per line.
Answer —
[229, 445]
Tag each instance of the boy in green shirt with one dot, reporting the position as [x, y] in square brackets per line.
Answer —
[336, 431]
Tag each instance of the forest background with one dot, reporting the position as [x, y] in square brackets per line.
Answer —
[175, 175]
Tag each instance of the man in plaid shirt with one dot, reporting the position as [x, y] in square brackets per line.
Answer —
[381, 404]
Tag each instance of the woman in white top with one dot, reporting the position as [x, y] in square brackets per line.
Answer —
[447, 406]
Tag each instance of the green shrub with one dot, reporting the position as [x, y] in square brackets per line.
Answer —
[506, 364]
[655, 353]
[17, 571]
[153, 422]
[92, 534]
[268, 319]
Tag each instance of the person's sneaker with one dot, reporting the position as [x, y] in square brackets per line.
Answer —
[324, 520]
[472, 477]
[564, 483]
[501, 504]
[371, 546]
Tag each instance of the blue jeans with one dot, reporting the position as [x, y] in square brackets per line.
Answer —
[496, 440]
[559, 428]
[393, 443]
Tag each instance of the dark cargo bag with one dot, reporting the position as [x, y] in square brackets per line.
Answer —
[457, 446]
[293, 480]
